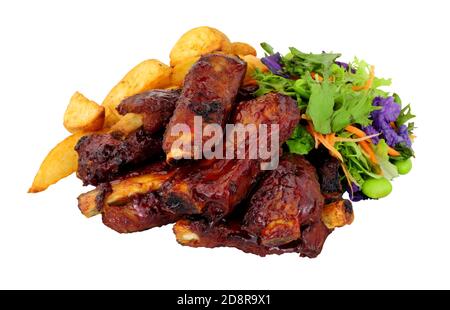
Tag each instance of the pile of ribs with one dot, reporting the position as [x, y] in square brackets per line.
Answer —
[141, 182]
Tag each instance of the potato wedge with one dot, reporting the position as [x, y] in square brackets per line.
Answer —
[180, 71]
[127, 124]
[149, 74]
[241, 48]
[83, 114]
[253, 63]
[197, 42]
[337, 214]
[60, 162]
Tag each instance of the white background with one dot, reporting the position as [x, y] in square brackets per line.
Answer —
[49, 49]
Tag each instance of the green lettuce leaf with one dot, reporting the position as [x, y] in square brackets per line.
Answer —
[381, 152]
[320, 106]
[301, 142]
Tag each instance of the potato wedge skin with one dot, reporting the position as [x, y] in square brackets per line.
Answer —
[241, 48]
[149, 74]
[60, 162]
[198, 41]
[83, 114]
[253, 63]
[180, 70]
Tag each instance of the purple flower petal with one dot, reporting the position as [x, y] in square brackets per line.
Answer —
[355, 194]
[403, 132]
[273, 63]
[389, 111]
[370, 130]
[382, 118]
[345, 66]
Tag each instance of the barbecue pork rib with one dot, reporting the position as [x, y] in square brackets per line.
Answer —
[131, 203]
[283, 215]
[156, 107]
[211, 188]
[103, 157]
[328, 168]
[209, 91]
[215, 190]
[288, 199]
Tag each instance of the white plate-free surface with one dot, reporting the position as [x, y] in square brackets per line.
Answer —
[49, 49]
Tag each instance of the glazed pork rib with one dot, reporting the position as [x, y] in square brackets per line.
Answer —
[209, 91]
[131, 203]
[214, 191]
[284, 215]
[156, 107]
[103, 157]
[211, 188]
[286, 201]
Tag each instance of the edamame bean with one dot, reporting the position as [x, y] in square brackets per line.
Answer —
[377, 188]
[404, 166]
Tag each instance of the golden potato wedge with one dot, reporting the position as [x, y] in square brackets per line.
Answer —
[83, 114]
[127, 123]
[87, 203]
[337, 214]
[253, 63]
[180, 71]
[149, 74]
[197, 42]
[60, 162]
[241, 48]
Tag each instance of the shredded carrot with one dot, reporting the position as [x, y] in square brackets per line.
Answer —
[331, 138]
[330, 148]
[393, 152]
[356, 131]
[348, 176]
[361, 134]
[316, 76]
[369, 82]
[310, 129]
[340, 139]
[393, 126]
[327, 141]
[369, 151]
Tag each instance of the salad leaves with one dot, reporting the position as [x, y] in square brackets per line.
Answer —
[301, 142]
[344, 103]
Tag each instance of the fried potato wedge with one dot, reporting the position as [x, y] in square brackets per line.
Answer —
[253, 63]
[197, 42]
[149, 74]
[180, 71]
[241, 48]
[337, 214]
[60, 162]
[83, 114]
[127, 123]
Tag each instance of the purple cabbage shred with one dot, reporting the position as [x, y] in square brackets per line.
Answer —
[355, 193]
[389, 112]
[273, 63]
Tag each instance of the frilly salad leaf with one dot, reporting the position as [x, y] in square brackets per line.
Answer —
[389, 170]
[301, 142]
[320, 106]
[333, 95]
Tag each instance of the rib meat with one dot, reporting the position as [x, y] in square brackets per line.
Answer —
[284, 215]
[286, 200]
[209, 91]
[328, 170]
[104, 157]
[156, 106]
[215, 190]
[143, 211]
